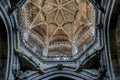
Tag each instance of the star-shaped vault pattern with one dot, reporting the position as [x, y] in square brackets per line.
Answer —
[58, 27]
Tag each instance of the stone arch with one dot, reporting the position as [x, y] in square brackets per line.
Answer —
[67, 74]
[7, 29]
[61, 77]
[112, 38]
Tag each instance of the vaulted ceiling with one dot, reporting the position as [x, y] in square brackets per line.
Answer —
[58, 27]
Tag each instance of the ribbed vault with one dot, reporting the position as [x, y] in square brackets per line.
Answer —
[58, 27]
